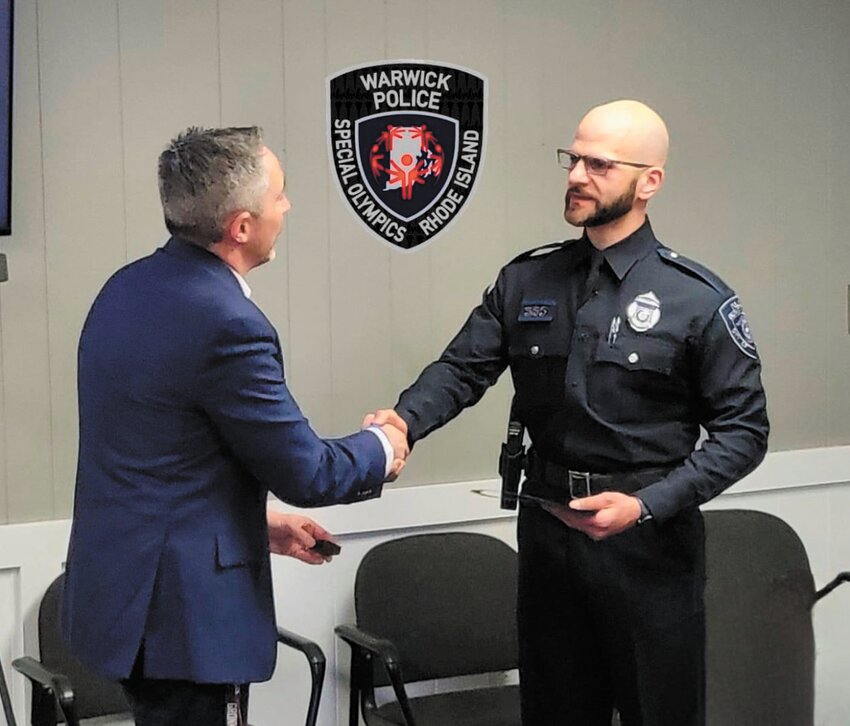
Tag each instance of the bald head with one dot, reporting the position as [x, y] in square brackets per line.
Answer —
[628, 130]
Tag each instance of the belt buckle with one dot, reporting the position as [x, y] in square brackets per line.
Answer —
[583, 480]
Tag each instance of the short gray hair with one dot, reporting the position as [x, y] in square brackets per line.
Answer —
[206, 175]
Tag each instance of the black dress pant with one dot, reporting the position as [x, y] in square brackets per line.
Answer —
[160, 702]
[612, 624]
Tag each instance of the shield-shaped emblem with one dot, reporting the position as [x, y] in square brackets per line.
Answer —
[406, 141]
[644, 312]
[738, 326]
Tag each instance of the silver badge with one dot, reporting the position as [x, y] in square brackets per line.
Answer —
[644, 312]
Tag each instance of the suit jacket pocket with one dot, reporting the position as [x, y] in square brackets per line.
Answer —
[235, 550]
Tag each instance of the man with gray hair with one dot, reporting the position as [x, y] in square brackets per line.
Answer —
[186, 424]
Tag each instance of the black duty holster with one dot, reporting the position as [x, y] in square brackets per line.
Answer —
[512, 460]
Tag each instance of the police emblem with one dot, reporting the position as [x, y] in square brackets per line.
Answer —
[738, 326]
[406, 140]
[644, 312]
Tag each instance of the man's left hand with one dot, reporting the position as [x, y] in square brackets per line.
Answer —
[599, 516]
[293, 535]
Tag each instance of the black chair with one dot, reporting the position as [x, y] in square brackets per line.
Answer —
[63, 690]
[760, 655]
[441, 606]
[6, 700]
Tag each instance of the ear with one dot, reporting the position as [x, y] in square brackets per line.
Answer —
[240, 227]
[651, 182]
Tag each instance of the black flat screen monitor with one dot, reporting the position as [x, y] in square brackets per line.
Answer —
[6, 11]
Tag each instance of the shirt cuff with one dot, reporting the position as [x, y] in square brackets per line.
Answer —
[388, 448]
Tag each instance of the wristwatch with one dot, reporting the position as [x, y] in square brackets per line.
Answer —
[645, 514]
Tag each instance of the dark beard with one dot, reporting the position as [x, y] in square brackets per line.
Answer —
[621, 206]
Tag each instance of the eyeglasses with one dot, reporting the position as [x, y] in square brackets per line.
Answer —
[596, 165]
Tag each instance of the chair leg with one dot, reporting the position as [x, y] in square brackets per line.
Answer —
[7, 700]
[354, 693]
[318, 676]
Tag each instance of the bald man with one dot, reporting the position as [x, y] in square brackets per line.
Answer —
[620, 349]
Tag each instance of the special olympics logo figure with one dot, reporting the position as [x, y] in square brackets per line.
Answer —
[414, 155]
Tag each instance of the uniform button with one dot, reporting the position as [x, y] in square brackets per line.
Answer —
[574, 384]
[633, 357]
[534, 349]
[582, 336]
[674, 255]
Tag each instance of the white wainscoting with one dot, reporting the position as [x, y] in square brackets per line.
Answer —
[810, 489]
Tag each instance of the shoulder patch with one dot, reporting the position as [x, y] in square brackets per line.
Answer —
[696, 269]
[736, 323]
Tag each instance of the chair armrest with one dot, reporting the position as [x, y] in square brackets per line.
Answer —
[316, 659]
[310, 649]
[54, 683]
[839, 579]
[360, 640]
[383, 648]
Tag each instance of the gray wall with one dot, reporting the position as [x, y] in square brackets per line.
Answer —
[755, 93]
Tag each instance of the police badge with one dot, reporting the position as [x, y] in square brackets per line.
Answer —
[644, 312]
[406, 140]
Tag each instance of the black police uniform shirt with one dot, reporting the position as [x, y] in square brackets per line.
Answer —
[612, 374]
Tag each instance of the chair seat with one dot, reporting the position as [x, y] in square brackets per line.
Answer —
[114, 719]
[478, 707]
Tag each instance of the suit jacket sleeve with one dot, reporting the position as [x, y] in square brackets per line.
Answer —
[243, 391]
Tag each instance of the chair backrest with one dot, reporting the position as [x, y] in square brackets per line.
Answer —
[5, 699]
[760, 640]
[94, 695]
[447, 601]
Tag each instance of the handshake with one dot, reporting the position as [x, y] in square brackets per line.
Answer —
[395, 429]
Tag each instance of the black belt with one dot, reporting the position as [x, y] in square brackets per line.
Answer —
[558, 483]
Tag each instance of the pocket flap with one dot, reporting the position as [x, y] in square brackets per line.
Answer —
[537, 340]
[233, 550]
[636, 354]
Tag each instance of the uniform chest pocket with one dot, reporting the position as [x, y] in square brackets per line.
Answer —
[538, 358]
[639, 354]
[635, 380]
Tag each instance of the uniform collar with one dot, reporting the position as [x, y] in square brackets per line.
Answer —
[622, 255]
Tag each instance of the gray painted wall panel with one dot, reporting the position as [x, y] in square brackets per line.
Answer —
[26, 416]
[83, 195]
[756, 96]
[169, 65]
[836, 420]
[307, 351]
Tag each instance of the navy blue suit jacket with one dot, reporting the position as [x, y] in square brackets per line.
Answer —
[186, 423]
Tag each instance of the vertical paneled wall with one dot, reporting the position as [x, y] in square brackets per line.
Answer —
[756, 95]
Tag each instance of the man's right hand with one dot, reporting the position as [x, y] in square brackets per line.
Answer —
[386, 416]
[398, 440]
[393, 426]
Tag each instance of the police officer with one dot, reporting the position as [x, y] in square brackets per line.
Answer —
[620, 350]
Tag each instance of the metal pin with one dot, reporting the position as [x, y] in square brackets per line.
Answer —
[614, 330]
